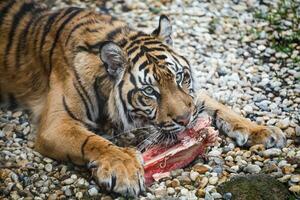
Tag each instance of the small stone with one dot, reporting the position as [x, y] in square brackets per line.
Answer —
[68, 192]
[248, 109]
[203, 182]
[227, 196]
[160, 191]
[213, 180]
[235, 168]
[194, 175]
[200, 193]
[79, 195]
[288, 169]
[175, 183]
[295, 188]
[283, 124]
[48, 167]
[184, 192]
[214, 153]
[201, 169]
[261, 47]
[253, 169]
[216, 195]
[295, 178]
[93, 192]
[271, 152]
[170, 190]
[68, 181]
[285, 178]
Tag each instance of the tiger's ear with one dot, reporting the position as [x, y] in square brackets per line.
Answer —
[113, 58]
[164, 30]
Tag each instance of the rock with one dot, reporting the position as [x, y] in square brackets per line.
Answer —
[214, 153]
[257, 186]
[194, 175]
[170, 190]
[68, 181]
[201, 169]
[93, 191]
[213, 180]
[288, 169]
[295, 178]
[200, 193]
[285, 178]
[248, 109]
[295, 188]
[297, 130]
[271, 152]
[175, 183]
[184, 192]
[283, 124]
[203, 182]
[160, 192]
[252, 169]
[48, 167]
[216, 195]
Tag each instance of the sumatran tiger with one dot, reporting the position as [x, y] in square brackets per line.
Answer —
[79, 71]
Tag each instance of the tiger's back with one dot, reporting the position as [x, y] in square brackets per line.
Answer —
[34, 41]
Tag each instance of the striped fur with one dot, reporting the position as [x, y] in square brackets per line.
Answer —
[81, 72]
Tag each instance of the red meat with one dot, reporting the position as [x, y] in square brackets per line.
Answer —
[160, 160]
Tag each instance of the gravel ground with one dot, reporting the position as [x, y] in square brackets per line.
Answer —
[236, 67]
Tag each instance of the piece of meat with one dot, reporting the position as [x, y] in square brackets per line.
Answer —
[160, 160]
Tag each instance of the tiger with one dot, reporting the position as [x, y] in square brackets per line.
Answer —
[80, 73]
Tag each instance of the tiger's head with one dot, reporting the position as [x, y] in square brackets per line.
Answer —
[153, 84]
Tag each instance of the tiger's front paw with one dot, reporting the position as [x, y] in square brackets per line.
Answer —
[119, 170]
[270, 136]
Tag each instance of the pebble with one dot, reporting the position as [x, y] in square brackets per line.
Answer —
[170, 191]
[214, 153]
[201, 169]
[283, 124]
[253, 169]
[194, 175]
[48, 167]
[203, 182]
[216, 195]
[213, 180]
[271, 152]
[93, 191]
[295, 178]
[295, 188]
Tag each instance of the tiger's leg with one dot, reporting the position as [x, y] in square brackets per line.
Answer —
[245, 132]
[117, 169]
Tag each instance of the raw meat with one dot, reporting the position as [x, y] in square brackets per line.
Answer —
[160, 160]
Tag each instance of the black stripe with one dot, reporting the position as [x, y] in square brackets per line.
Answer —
[143, 65]
[137, 35]
[122, 101]
[84, 102]
[22, 41]
[101, 101]
[111, 35]
[152, 42]
[25, 8]
[83, 145]
[137, 57]
[214, 121]
[68, 110]
[122, 43]
[5, 10]
[78, 26]
[132, 79]
[58, 33]
[161, 57]
[13, 104]
[129, 52]
[46, 30]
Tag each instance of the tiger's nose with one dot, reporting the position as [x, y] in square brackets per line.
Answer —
[183, 120]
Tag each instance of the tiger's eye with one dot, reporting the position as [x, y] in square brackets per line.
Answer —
[149, 90]
[178, 77]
